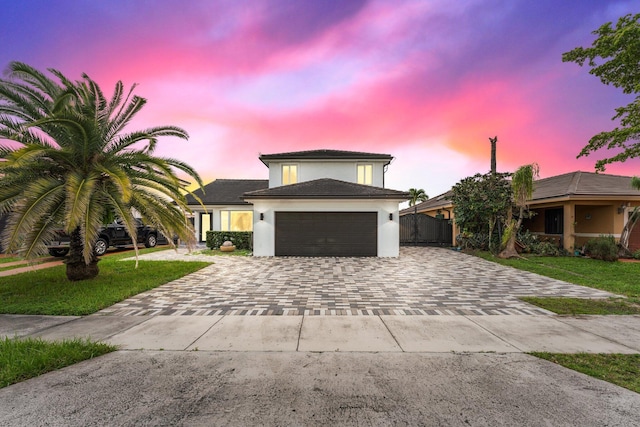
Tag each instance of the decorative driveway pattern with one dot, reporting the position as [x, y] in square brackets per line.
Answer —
[422, 281]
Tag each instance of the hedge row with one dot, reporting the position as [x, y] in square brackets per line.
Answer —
[241, 239]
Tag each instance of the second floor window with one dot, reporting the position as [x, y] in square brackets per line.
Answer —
[289, 174]
[365, 174]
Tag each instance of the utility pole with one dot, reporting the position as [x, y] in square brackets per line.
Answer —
[494, 141]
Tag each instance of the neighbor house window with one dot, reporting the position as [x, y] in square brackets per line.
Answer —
[236, 220]
[553, 221]
[365, 174]
[289, 174]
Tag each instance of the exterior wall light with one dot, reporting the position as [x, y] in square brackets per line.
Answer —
[261, 216]
[390, 217]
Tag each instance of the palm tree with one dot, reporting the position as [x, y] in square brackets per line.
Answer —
[71, 164]
[417, 195]
[522, 183]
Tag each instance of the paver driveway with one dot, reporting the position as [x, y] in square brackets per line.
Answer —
[422, 281]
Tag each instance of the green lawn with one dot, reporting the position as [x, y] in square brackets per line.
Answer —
[619, 369]
[21, 359]
[617, 277]
[48, 291]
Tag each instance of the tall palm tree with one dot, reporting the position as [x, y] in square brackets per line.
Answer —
[522, 183]
[70, 163]
[417, 195]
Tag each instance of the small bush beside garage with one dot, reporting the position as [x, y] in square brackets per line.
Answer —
[241, 239]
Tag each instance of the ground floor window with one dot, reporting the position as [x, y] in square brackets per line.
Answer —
[236, 220]
[553, 221]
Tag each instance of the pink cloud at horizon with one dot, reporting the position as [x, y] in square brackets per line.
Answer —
[425, 81]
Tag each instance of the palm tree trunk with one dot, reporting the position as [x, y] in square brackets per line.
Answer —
[509, 250]
[77, 269]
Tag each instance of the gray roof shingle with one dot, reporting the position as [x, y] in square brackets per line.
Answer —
[327, 188]
[583, 184]
[324, 155]
[227, 191]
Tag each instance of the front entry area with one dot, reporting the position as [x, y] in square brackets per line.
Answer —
[339, 234]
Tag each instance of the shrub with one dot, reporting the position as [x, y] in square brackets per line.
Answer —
[603, 247]
[468, 240]
[546, 248]
[241, 239]
[533, 244]
[636, 254]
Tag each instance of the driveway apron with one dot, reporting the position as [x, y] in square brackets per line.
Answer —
[421, 281]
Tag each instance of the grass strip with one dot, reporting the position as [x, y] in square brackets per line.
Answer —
[218, 252]
[619, 369]
[21, 359]
[574, 306]
[49, 292]
[616, 277]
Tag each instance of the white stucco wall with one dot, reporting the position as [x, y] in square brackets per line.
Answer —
[340, 170]
[264, 230]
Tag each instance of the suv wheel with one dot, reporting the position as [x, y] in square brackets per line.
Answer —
[151, 241]
[101, 246]
[58, 252]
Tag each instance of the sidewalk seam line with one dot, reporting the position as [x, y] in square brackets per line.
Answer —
[202, 334]
[391, 333]
[597, 335]
[495, 335]
[300, 334]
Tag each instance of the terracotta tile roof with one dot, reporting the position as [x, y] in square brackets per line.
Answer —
[227, 191]
[583, 184]
[327, 188]
[324, 154]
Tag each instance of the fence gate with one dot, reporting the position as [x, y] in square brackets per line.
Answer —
[419, 229]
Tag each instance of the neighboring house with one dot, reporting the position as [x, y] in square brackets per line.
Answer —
[223, 208]
[578, 206]
[570, 208]
[326, 203]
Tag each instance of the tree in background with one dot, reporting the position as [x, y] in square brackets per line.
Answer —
[480, 205]
[74, 166]
[614, 57]
[417, 195]
[522, 182]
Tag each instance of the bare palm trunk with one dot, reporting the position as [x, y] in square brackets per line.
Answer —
[77, 269]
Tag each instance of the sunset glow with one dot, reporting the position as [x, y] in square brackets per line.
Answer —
[427, 81]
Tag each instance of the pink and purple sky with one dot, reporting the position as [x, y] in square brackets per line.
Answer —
[427, 81]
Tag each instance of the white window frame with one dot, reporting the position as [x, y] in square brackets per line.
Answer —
[286, 176]
[364, 171]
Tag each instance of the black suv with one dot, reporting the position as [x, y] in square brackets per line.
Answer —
[114, 234]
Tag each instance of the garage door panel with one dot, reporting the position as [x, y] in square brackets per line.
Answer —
[326, 234]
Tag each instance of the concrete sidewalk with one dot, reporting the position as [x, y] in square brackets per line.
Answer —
[424, 334]
[325, 370]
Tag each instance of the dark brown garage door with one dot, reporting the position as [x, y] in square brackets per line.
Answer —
[326, 234]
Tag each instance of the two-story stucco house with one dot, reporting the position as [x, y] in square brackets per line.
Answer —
[321, 203]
